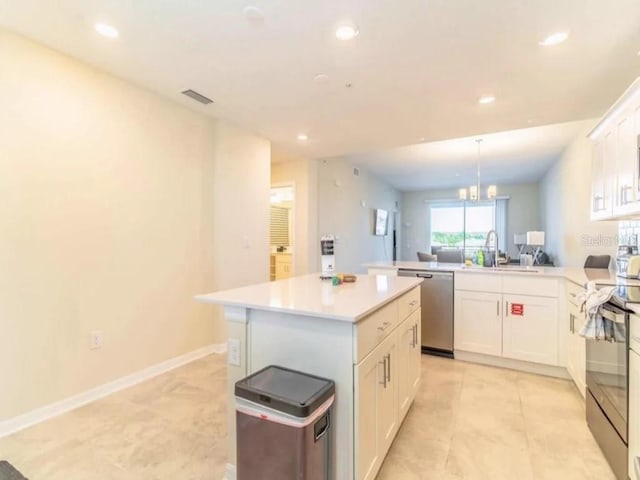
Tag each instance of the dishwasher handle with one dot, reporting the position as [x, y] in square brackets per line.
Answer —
[424, 275]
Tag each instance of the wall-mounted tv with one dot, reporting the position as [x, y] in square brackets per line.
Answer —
[380, 221]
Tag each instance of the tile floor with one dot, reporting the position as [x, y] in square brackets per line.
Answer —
[469, 422]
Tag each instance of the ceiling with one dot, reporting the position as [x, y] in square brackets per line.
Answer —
[514, 156]
[417, 67]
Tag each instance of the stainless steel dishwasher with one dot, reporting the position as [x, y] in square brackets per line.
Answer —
[436, 299]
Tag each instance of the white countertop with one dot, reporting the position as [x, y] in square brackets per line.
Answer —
[579, 276]
[308, 295]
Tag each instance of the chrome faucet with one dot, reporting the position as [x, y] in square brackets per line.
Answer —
[486, 246]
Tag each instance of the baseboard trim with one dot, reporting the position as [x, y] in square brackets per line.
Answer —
[529, 367]
[15, 424]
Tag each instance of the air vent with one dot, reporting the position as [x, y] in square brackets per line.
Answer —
[356, 172]
[197, 97]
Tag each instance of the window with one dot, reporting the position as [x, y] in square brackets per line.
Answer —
[464, 225]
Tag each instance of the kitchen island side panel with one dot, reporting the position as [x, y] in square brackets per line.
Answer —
[317, 346]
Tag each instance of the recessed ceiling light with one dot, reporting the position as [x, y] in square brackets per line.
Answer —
[485, 99]
[321, 79]
[303, 137]
[107, 30]
[346, 32]
[554, 39]
[254, 16]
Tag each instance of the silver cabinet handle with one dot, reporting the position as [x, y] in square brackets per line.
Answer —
[636, 339]
[572, 319]
[624, 197]
[413, 303]
[389, 367]
[384, 326]
[413, 336]
[384, 372]
[506, 310]
[415, 329]
[497, 308]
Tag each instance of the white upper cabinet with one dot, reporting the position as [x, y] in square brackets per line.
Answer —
[615, 169]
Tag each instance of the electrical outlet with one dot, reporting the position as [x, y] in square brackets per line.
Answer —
[233, 352]
[95, 339]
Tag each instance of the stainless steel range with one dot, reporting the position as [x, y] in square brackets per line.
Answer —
[608, 383]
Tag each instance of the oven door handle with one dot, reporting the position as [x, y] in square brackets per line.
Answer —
[613, 316]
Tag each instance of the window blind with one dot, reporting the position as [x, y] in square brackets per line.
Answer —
[279, 230]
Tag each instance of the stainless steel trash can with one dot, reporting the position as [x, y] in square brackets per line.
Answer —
[283, 425]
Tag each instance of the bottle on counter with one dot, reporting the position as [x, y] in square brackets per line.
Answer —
[480, 258]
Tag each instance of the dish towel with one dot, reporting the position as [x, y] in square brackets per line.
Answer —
[590, 301]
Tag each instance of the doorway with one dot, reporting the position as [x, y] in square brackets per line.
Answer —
[281, 231]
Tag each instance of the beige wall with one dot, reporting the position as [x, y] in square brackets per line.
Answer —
[340, 212]
[523, 214]
[303, 175]
[565, 193]
[109, 195]
[241, 220]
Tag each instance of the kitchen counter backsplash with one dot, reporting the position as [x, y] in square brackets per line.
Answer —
[628, 232]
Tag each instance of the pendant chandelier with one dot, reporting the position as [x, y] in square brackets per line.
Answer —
[473, 192]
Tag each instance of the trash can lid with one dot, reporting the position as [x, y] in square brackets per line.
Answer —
[285, 390]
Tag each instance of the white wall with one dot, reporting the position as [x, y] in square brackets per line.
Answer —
[303, 175]
[565, 193]
[523, 214]
[109, 195]
[340, 212]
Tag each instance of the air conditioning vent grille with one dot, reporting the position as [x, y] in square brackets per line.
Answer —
[197, 97]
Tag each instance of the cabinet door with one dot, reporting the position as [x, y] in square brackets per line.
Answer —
[576, 345]
[634, 414]
[625, 201]
[408, 361]
[389, 413]
[369, 375]
[597, 179]
[530, 329]
[415, 363]
[636, 156]
[478, 322]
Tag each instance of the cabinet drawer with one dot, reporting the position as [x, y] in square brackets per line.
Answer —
[528, 285]
[408, 303]
[369, 332]
[478, 282]
[634, 333]
[572, 291]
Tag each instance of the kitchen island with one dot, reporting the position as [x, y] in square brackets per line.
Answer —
[362, 335]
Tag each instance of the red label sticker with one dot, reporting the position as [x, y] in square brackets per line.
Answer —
[517, 309]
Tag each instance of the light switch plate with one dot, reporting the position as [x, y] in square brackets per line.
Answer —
[233, 352]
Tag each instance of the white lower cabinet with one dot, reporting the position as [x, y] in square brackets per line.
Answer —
[530, 329]
[577, 350]
[478, 322]
[408, 361]
[634, 415]
[377, 403]
[507, 322]
[386, 381]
